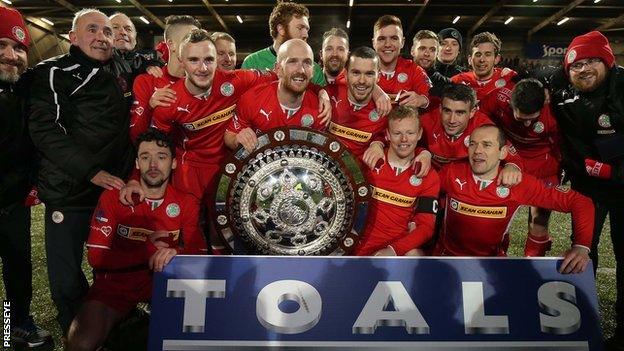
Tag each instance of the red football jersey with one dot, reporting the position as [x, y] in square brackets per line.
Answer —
[121, 232]
[392, 208]
[407, 76]
[354, 125]
[141, 113]
[478, 213]
[445, 149]
[501, 77]
[260, 110]
[203, 119]
[537, 143]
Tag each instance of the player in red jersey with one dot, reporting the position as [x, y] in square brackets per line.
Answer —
[402, 210]
[484, 77]
[402, 79]
[286, 102]
[526, 118]
[148, 89]
[447, 131]
[127, 243]
[355, 120]
[478, 212]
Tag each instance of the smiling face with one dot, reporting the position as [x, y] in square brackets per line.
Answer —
[334, 54]
[226, 54]
[361, 78]
[588, 74]
[94, 36]
[455, 115]
[449, 50]
[424, 52]
[485, 152]
[388, 42]
[403, 135]
[294, 66]
[199, 62]
[483, 59]
[124, 33]
[13, 60]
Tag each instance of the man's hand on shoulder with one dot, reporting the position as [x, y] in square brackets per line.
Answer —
[107, 180]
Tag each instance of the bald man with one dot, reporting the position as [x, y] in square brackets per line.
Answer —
[78, 121]
[286, 102]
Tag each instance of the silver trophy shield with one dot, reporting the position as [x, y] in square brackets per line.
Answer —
[300, 192]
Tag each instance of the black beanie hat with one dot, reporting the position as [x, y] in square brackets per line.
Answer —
[451, 33]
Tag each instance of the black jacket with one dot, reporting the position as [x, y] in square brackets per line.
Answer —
[592, 126]
[78, 121]
[448, 70]
[17, 156]
[127, 66]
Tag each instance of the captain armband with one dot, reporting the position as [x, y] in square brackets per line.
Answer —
[427, 205]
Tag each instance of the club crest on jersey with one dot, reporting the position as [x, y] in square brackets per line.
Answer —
[173, 210]
[19, 33]
[502, 191]
[307, 120]
[373, 116]
[415, 181]
[467, 140]
[604, 121]
[538, 127]
[227, 89]
[500, 83]
[571, 56]
[57, 217]
[402, 77]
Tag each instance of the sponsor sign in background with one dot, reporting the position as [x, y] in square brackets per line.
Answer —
[442, 304]
[545, 51]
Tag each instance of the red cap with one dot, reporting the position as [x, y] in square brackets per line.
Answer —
[12, 26]
[592, 44]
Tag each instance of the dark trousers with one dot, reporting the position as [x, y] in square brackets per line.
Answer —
[16, 261]
[616, 220]
[66, 233]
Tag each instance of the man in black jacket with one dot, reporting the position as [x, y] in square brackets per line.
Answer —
[589, 107]
[16, 157]
[447, 62]
[78, 121]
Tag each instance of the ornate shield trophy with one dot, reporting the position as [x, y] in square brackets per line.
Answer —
[300, 192]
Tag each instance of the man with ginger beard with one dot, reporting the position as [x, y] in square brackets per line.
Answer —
[16, 166]
[78, 121]
[287, 21]
[589, 108]
[286, 102]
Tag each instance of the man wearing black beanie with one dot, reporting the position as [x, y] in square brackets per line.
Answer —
[450, 47]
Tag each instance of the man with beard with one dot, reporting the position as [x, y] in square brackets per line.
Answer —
[484, 56]
[334, 54]
[127, 243]
[16, 166]
[286, 102]
[448, 54]
[128, 62]
[226, 50]
[590, 113]
[424, 50]
[150, 91]
[78, 121]
[402, 210]
[288, 20]
[478, 212]
[525, 116]
[404, 81]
